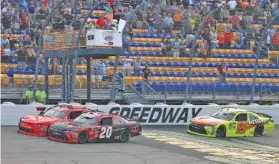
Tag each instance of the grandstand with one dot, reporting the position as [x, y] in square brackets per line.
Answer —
[168, 74]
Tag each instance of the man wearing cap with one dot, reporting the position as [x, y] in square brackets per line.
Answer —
[29, 94]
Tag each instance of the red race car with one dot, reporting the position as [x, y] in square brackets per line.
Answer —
[95, 127]
[37, 125]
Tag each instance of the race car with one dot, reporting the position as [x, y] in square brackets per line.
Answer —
[95, 127]
[37, 125]
[232, 122]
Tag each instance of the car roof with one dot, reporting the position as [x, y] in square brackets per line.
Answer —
[99, 114]
[233, 110]
[71, 107]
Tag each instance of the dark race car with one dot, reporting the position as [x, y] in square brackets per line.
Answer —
[95, 127]
[37, 125]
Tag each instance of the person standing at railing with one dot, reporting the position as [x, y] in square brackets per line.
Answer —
[21, 58]
[223, 71]
[137, 63]
[176, 47]
[41, 95]
[29, 94]
[145, 79]
[127, 64]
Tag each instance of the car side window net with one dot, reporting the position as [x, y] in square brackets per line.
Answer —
[106, 121]
[241, 117]
[75, 114]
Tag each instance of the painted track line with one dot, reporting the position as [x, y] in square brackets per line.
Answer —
[237, 151]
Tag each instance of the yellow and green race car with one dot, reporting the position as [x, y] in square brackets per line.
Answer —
[232, 122]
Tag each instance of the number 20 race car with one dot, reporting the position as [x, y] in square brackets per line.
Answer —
[95, 127]
[37, 125]
[232, 122]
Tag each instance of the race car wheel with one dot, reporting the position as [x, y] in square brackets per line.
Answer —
[125, 136]
[83, 137]
[258, 131]
[221, 132]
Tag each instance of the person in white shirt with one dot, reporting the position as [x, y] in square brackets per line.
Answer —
[127, 64]
[232, 5]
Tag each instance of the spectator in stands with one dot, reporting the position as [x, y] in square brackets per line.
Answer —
[213, 39]
[31, 57]
[41, 95]
[101, 71]
[137, 66]
[224, 15]
[168, 23]
[21, 58]
[227, 39]
[275, 40]
[168, 45]
[127, 65]
[29, 94]
[7, 21]
[176, 47]
[223, 71]
[204, 49]
[183, 46]
[232, 6]
[145, 77]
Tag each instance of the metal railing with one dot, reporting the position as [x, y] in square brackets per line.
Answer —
[145, 97]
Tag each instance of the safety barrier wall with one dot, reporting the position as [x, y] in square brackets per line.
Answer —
[147, 114]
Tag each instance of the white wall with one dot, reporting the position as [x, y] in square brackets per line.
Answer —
[148, 114]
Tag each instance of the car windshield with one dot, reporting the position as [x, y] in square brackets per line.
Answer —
[223, 115]
[86, 119]
[56, 112]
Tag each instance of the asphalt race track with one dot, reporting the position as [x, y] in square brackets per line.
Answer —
[167, 145]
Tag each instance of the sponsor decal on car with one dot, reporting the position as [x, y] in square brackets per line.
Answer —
[253, 122]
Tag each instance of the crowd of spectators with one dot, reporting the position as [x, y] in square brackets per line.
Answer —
[23, 20]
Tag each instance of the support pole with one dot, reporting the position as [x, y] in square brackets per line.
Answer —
[46, 78]
[39, 50]
[76, 55]
[194, 43]
[112, 93]
[88, 58]
[63, 79]
[259, 47]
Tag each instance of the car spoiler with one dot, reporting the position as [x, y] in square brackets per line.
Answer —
[264, 115]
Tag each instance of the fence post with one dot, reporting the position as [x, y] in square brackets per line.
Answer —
[39, 51]
[194, 43]
[72, 93]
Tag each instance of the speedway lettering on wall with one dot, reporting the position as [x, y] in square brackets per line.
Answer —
[161, 114]
[158, 115]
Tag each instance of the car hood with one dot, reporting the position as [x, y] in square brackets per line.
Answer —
[68, 125]
[39, 119]
[206, 120]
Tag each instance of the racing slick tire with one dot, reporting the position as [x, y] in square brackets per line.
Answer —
[258, 131]
[221, 132]
[83, 137]
[125, 136]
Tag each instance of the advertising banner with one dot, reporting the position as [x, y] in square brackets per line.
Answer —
[103, 38]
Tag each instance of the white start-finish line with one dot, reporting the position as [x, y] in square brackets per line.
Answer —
[147, 114]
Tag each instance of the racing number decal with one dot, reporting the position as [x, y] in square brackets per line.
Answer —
[106, 132]
[241, 127]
